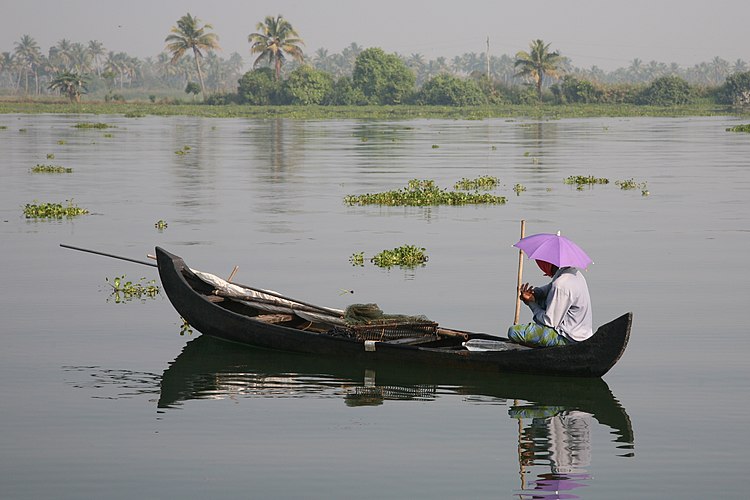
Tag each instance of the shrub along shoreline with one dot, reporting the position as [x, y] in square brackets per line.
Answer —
[401, 112]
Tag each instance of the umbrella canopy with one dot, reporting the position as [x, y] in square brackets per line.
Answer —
[555, 249]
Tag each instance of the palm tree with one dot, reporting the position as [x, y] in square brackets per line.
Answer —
[61, 55]
[187, 35]
[537, 63]
[28, 54]
[71, 84]
[97, 52]
[275, 37]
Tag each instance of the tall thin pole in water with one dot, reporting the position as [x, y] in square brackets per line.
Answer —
[488, 58]
[520, 276]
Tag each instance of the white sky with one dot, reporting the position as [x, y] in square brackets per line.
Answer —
[609, 34]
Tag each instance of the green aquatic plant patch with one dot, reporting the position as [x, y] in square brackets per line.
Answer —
[630, 184]
[582, 180]
[53, 210]
[94, 125]
[404, 256]
[357, 259]
[486, 182]
[51, 169]
[419, 193]
[124, 290]
[740, 128]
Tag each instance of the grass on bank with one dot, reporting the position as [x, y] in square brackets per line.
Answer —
[542, 111]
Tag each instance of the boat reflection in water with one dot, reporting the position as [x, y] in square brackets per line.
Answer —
[555, 414]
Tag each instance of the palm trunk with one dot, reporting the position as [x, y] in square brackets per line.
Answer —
[200, 73]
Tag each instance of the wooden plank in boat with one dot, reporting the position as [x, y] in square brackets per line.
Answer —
[273, 318]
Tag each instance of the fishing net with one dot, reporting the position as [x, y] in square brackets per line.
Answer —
[369, 322]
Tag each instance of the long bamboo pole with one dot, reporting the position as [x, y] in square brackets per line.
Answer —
[520, 276]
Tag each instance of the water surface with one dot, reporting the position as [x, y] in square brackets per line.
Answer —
[106, 399]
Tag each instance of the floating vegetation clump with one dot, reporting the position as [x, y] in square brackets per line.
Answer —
[135, 114]
[185, 328]
[582, 180]
[3, 127]
[486, 182]
[519, 188]
[632, 184]
[53, 210]
[185, 149]
[93, 125]
[125, 291]
[161, 225]
[421, 193]
[740, 128]
[403, 256]
[50, 156]
[357, 259]
[51, 169]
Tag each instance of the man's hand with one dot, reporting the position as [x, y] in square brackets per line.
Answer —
[527, 293]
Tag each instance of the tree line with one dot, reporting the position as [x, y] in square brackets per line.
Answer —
[282, 74]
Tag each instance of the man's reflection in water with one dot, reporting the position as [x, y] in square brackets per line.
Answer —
[558, 438]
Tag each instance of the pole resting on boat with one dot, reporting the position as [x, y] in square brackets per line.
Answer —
[95, 252]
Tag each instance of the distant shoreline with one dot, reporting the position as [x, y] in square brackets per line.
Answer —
[397, 112]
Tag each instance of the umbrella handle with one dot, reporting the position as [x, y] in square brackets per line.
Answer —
[520, 275]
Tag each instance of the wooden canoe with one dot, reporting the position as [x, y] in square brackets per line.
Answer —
[239, 321]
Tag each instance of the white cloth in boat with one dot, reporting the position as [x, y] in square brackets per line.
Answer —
[272, 303]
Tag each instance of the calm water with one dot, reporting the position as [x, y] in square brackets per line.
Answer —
[100, 399]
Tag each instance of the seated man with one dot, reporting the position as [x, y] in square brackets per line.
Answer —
[561, 309]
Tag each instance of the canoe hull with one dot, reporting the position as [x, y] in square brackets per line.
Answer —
[592, 358]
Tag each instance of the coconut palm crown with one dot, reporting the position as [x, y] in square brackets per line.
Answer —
[274, 38]
[537, 63]
[189, 35]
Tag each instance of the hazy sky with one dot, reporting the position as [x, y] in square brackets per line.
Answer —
[605, 33]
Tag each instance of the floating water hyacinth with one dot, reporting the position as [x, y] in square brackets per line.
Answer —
[585, 180]
[403, 256]
[53, 210]
[50, 169]
[92, 125]
[486, 182]
[423, 193]
[125, 291]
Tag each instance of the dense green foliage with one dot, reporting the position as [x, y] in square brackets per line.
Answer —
[306, 85]
[70, 84]
[258, 87]
[575, 90]
[383, 78]
[740, 128]
[736, 89]
[666, 91]
[449, 90]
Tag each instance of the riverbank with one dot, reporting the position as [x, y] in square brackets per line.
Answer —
[543, 111]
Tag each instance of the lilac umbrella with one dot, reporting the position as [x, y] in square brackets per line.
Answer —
[555, 249]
